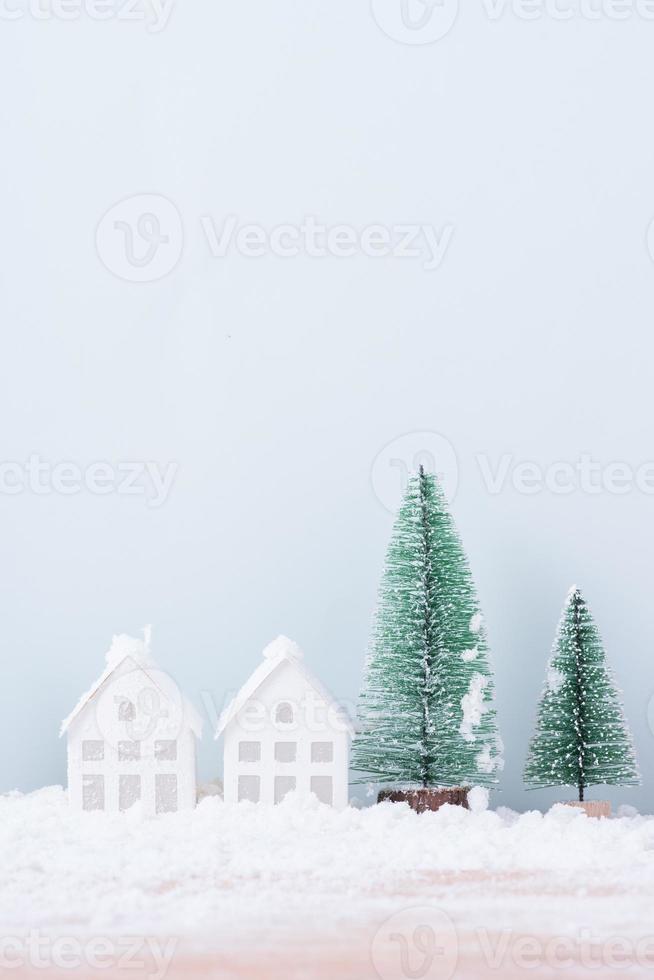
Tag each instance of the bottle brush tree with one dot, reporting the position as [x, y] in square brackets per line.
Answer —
[581, 738]
[426, 709]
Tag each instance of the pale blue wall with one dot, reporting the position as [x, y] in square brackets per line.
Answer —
[274, 383]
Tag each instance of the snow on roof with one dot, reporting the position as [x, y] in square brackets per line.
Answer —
[124, 647]
[280, 651]
[283, 647]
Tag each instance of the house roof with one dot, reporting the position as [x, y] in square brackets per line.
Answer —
[127, 648]
[280, 651]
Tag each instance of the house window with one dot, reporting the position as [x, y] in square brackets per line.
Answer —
[92, 750]
[165, 791]
[284, 713]
[93, 792]
[323, 788]
[249, 788]
[283, 785]
[166, 750]
[285, 751]
[129, 791]
[249, 751]
[126, 709]
[129, 751]
[322, 751]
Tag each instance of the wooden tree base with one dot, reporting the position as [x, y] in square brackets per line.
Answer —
[593, 808]
[426, 799]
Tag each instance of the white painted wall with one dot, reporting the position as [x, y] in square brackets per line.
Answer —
[158, 717]
[315, 721]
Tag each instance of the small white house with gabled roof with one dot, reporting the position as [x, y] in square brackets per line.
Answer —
[132, 737]
[283, 731]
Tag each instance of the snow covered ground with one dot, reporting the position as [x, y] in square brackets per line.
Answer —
[301, 890]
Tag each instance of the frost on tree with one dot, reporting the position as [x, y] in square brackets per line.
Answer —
[581, 735]
[426, 710]
[132, 737]
[284, 732]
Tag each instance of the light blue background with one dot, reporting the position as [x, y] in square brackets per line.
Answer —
[274, 383]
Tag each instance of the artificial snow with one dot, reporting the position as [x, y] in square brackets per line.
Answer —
[469, 655]
[283, 647]
[123, 646]
[473, 706]
[555, 679]
[232, 874]
[485, 761]
[478, 798]
[476, 623]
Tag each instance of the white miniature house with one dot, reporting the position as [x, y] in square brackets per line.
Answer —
[283, 731]
[132, 737]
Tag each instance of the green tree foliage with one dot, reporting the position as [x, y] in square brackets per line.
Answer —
[581, 736]
[426, 710]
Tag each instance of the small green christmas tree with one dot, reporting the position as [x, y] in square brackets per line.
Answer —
[426, 711]
[581, 738]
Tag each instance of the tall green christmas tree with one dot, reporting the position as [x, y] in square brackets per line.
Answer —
[426, 711]
[581, 736]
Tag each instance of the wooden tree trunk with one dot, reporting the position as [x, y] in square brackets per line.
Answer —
[426, 799]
